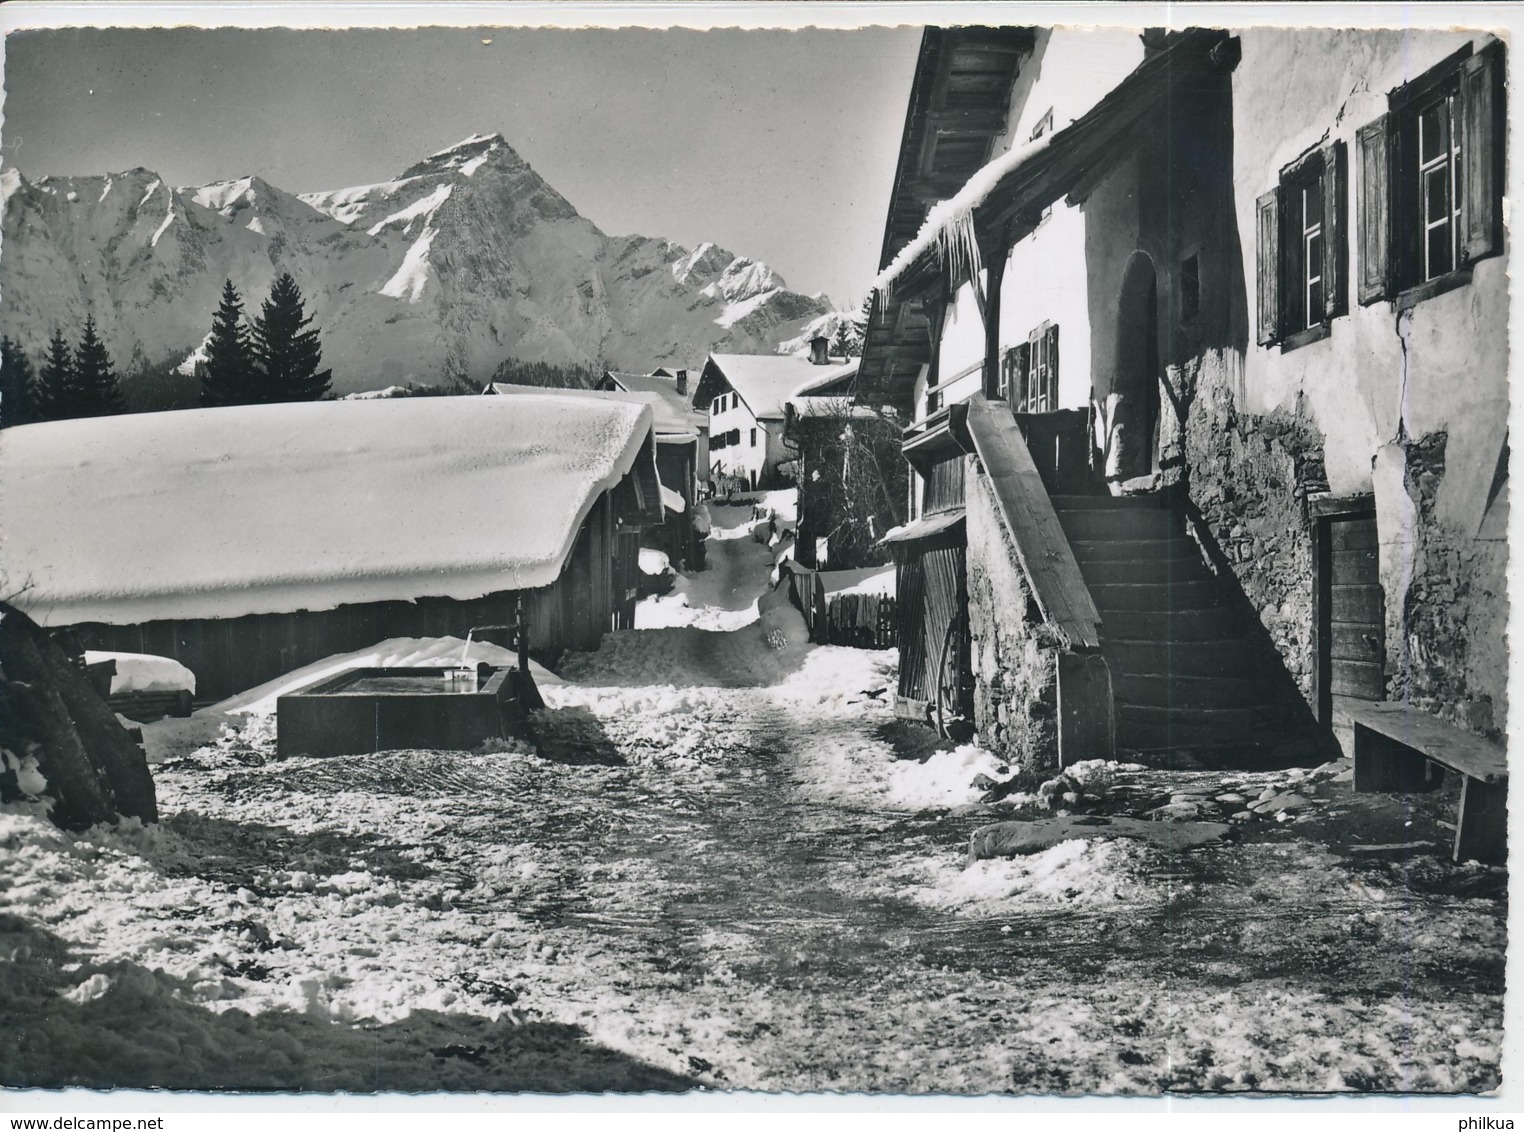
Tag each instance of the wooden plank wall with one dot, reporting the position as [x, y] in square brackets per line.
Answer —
[230, 655]
[930, 595]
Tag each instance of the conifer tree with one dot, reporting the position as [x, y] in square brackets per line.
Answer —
[18, 386]
[287, 353]
[228, 376]
[95, 381]
[57, 396]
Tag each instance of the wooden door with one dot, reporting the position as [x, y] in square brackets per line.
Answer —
[931, 603]
[1352, 616]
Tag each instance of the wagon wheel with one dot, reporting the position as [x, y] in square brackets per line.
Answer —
[947, 707]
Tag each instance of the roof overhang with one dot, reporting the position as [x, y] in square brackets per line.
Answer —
[897, 339]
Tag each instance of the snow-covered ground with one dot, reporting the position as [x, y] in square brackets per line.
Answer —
[722, 864]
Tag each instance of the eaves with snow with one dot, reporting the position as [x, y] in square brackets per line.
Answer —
[273, 508]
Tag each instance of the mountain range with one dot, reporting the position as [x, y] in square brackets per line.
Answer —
[464, 260]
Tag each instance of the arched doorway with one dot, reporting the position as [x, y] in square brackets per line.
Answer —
[1132, 406]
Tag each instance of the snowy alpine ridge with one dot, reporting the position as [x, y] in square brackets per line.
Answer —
[463, 260]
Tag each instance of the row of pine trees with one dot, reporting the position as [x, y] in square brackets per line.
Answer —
[275, 358]
[81, 382]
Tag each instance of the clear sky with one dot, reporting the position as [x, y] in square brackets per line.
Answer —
[780, 145]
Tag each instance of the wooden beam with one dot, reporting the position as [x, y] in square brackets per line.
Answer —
[994, 270]
[1041, 545]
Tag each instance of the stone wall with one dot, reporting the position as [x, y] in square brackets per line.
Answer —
[1014, 665]
[1447, 606]
[1249, 476]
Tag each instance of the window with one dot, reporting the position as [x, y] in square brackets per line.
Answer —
[1431, 179]
[1303, 254]
[1029, 372]
[753, 438]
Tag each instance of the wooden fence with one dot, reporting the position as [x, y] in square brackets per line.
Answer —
[863, 621]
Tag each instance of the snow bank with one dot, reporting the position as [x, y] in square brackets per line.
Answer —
[139, 672]
[782, 504]
[653, 562]
[869, 580]
[272, 508]
[1076, 873]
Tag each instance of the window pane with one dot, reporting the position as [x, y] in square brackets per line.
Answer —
[1439, 251]
[1436, 194]
[1312, 205]
[1315, 303]
[1433, 132]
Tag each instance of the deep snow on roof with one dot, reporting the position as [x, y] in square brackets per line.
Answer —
[274, 508]
[664, 385]
[667, 423]
[766, 381]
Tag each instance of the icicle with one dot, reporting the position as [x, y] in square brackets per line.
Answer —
[958, 246]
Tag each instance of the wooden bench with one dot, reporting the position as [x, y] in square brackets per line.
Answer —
[1402, 749]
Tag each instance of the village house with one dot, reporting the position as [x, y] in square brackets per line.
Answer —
[1264, 482]
[245, 542]
[678, 431]
[744, 396]
[676, 392]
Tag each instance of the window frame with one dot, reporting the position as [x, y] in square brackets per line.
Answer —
[1298, 252]
[1395, 218]
[1025, 364]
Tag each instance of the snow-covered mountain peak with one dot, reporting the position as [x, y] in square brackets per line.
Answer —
[746, 278]
[465, 260]
[466, 157]
[703, 263]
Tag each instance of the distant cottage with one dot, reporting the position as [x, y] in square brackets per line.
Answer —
[745, 397]
[245, 542]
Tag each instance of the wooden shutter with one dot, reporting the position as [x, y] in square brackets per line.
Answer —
[1335, 231]
[1051, 393]
[1482, 144]
[1374, 207]
[1268, 211]
[1021, 366]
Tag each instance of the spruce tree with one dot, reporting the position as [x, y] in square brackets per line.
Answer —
[287, 353]
[228, 376]
[57, 395]
[99, 392]
[18, 386]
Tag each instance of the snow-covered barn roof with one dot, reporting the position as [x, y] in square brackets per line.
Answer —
[669, 424]
[275, 508]
[765, 381]
[664, 385]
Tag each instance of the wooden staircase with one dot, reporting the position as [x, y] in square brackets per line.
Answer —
[1183, 668]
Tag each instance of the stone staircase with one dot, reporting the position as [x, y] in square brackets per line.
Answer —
[1184, 669]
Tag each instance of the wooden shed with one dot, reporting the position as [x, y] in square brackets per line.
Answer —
[245, 542]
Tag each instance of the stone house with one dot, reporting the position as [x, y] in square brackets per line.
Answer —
[744, 397]
[1268, 470]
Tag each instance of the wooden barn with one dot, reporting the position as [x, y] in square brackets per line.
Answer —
[245, 542]
[679, 458]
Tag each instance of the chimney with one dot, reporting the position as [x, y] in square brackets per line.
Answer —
[682, 382]
[819, 354]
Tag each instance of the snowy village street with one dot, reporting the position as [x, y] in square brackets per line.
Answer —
[724, 868]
